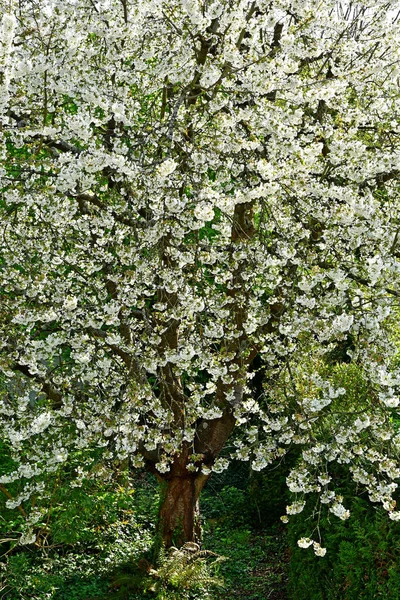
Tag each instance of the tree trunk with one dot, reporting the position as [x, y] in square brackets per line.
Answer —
[178, 520]
[179, 512]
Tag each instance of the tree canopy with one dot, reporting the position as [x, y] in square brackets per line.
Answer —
[197, 199]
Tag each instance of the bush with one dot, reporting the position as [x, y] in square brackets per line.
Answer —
[361, 563]
[363, 552]
[27, 576]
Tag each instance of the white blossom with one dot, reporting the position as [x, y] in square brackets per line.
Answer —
[200, 235]
[339, 510]
[295, 508]
[318, 550]
[28, 538]
[166, 168]
[304, 542]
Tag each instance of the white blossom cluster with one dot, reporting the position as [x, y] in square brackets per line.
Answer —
[186, 186]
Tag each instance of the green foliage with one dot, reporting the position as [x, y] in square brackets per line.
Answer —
[225, 506]
[99, 511]
[362, 552]
[30, 576]
[99, 543]
[240, 507]
[361, 562]
[188, 573]
[256, 568]
[91, 530]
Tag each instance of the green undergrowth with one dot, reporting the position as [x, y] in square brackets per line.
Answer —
[241, 509]
[187, 573]
[98, 546]
[91, 531]
[257, 565]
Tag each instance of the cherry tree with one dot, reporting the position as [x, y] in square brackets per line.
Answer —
[196, 195]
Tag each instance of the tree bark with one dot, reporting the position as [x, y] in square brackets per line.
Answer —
[179, 512]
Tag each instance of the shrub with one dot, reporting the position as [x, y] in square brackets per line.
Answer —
[361, 563]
